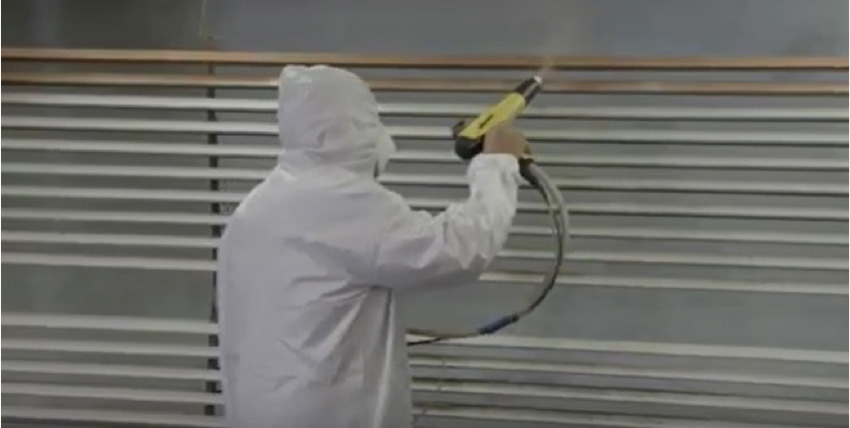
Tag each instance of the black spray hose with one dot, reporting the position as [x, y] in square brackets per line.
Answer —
[559, 222]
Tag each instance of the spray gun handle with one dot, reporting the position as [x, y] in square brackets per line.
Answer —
[466, 148]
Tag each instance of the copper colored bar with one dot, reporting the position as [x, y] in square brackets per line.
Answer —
[123, 79]
[410, 61]
[436, 85]
[618, 87]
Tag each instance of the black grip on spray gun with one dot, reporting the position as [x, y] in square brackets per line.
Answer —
[467, 148]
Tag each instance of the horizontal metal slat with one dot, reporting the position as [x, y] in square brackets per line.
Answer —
[830, 89]
[33, 259]
[111, 417]
[122, 194]
[140, 80]
[114, 348]
[435, 110]
[641, 185]
[637, 185]
[131, 147]
[648, 398]
[465, 415]
[522, 62]
[113, 323]
[496, 343]
[528, 393]
[146, 102]
[713, 235]
[426, 132]
[671, 404]
[652, 348]
[109, 239]
[270, 151]
[648, 113]
[479, 366]
[423, 203]
[139, 125]
[686, 259]
[505, 371]
[110, 323]
[116, 394]
[642, 161]
[702, 260]
[134, 171]
[517, 418]
[672, 283]
[755, 262]
[110, 370]
[629, 378]
[641, 403]
[113, 216]
[204, 242]
[104, 239]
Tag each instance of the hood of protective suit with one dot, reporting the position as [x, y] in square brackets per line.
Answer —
[328, 118]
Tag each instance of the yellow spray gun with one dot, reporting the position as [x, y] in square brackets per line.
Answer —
[469, 142]
[469, 136]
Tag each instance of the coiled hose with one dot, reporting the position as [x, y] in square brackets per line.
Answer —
[559, 220]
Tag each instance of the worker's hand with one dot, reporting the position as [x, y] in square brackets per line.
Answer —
[505, 139]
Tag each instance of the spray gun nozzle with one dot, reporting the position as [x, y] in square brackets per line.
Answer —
[529, 88]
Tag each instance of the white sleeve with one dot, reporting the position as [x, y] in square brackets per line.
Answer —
[454, 247]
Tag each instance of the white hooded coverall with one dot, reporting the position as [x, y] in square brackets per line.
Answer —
[312, 259]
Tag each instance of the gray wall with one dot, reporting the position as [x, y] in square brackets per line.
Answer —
[622, 27]
[670, 27]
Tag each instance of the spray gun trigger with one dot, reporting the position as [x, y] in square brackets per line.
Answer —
[458, 128]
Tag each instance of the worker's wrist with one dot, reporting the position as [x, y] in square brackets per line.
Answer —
[504, 162]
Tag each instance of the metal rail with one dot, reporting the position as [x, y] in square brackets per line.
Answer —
[408, 61]
[189, 196]
[580, 86]
[724, 114]
[197, 265]
[673, 234]
[431, 156]
[245, 174]
[434, 132]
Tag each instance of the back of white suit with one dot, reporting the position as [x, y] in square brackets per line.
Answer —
[312, 259]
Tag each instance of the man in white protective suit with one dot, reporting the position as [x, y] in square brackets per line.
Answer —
[312, 260]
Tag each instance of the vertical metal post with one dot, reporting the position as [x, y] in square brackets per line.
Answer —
[215, 230]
